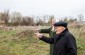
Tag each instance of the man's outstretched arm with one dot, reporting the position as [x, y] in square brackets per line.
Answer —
[47, 30]
[45, 39]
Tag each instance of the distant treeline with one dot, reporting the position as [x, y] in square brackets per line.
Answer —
[16, 18]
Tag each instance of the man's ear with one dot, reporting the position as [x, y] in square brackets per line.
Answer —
[63, 28]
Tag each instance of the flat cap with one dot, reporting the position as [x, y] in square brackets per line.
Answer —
[60, 23]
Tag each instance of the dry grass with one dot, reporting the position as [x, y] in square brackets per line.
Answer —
[20, 41]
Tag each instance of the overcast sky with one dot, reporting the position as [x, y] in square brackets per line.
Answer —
[59, 8]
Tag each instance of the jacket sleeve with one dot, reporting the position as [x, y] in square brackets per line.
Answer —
[71, 46]
[47, 40]
[45, 30]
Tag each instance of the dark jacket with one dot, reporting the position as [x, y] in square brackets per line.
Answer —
[64, 44]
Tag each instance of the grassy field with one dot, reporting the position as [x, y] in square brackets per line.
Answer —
[15, 42]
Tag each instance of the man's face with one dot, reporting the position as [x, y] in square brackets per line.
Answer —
[59, 29]
[53, 21]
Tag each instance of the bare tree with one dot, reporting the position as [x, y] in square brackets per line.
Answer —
[27, 21]
[15, 18]
[81, 17]
[50, 19]
[4, 17]
[65, 19]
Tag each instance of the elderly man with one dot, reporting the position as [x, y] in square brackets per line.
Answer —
[64, 42]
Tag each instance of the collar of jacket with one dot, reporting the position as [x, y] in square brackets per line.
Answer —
[61, 34]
